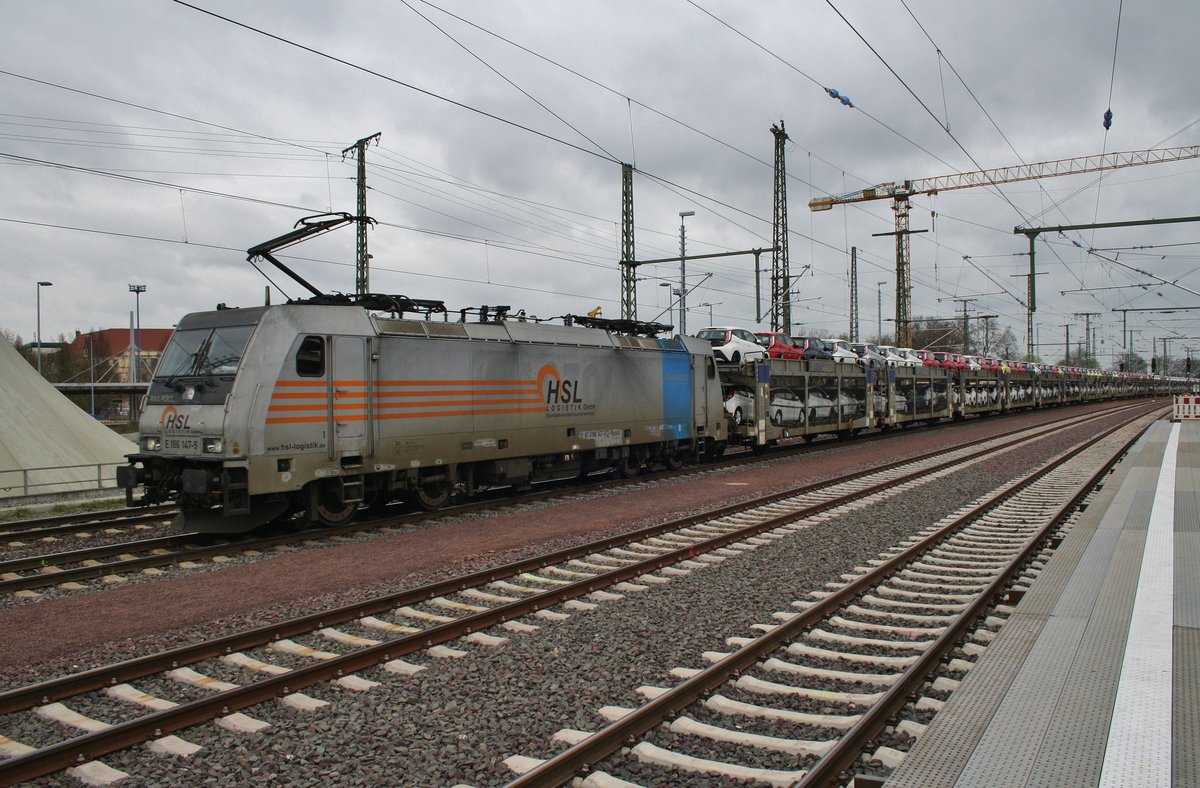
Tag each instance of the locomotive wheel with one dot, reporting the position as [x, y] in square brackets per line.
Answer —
[332, 512]
[587, 462]
[675, 460]
[433, 495]
[629, 467]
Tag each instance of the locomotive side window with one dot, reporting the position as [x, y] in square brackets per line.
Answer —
[310, 358]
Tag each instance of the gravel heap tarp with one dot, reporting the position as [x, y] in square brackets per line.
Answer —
[42, 432]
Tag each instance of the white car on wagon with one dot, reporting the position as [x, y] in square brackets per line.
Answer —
[840, 348]
[733, 345]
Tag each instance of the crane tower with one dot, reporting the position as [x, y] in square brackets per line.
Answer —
[900, 191]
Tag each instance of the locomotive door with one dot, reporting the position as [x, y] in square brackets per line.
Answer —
[350, 388]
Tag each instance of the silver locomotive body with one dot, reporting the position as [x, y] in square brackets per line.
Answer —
[315, 410]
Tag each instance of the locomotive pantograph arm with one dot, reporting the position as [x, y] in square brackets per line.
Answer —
[305, 228]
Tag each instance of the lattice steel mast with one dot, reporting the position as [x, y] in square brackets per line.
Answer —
[781, 281]
[628, 271]
[362, 267]
[854, 294]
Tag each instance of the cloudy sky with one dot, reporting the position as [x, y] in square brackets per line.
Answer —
[152, 142]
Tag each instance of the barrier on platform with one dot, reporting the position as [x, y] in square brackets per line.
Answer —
[1187, 407]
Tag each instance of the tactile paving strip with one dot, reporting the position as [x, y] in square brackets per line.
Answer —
[1185, 762]
[1139, 741]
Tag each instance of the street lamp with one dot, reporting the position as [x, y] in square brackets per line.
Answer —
[675, 293]
[879, 306]
[92, 369]
[710, 306]
[40, 285]
[137, 291]
[682, 275]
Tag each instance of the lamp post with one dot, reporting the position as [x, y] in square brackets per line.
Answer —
[879, 307]
[137, 291]
[682, 274]
[710, 306]
[92, 370]
[40, 285]
[675, 293]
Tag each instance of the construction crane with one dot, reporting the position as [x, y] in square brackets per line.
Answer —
[900, 191]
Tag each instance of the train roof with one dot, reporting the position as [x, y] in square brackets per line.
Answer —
[516, 330]
[586, 332]
[223, 316]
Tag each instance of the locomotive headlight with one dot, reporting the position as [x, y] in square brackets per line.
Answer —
[212, 445]
[151, 442]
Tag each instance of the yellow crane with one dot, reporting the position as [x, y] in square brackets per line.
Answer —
[900, 191]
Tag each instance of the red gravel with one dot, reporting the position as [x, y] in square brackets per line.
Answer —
[161, 613]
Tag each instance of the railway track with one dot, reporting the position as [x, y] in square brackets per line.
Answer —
[514, 599]
[100, 521]
[871, 648]
[63, 525]
[114, 563]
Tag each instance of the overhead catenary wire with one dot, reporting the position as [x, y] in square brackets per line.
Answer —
[152, 109]
[498, 73]
[293, 43]
[812, 79]
[399, 82]
[630, 101]
[1108, 113]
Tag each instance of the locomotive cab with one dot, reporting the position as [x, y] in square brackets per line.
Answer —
[186, 454]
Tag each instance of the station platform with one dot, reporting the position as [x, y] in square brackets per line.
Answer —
[1095, 679]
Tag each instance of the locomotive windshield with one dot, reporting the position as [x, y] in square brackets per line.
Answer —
[203, 353]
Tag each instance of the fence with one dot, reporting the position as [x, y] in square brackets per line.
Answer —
[24, 482]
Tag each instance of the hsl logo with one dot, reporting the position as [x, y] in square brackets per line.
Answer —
[562, 391]
[173, 420]
[558, 391]
[562, 396]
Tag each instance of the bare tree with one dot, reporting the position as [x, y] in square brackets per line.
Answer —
[1005, 344]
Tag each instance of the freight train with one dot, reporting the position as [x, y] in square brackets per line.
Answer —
[312, 410]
